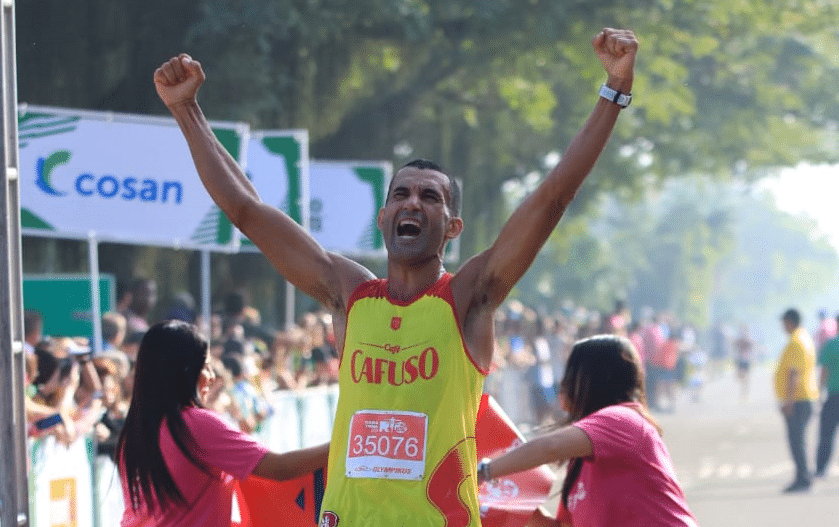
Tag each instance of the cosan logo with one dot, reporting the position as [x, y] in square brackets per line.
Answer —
[106, 186]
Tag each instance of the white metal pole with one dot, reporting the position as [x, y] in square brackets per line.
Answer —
[205, 294]
[14, 490]
[95, 303]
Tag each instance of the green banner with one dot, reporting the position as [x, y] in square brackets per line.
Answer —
[64, 302]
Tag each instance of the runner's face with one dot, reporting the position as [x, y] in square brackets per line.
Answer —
[415, 221]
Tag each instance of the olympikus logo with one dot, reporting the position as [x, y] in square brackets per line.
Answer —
[375, 370]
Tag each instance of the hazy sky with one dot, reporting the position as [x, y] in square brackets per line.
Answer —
[813, 189]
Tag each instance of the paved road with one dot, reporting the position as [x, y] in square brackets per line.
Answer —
[732, 459]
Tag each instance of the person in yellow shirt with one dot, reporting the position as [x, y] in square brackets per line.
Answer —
[796, 389]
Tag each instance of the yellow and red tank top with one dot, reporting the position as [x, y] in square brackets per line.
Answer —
[403, 442]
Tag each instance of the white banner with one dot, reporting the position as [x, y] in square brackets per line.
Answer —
[345, 200]
[121, 178]
[109, 500]
[62, 483]
[278, 166]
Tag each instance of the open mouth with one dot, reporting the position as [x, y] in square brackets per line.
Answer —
[408, 228]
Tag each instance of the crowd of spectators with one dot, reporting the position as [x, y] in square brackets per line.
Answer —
[532, 349]
[76, 389]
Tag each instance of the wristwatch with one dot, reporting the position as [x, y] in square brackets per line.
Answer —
[621, 99]
[483, 469]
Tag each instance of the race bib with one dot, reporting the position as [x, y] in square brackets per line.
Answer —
[387, 445]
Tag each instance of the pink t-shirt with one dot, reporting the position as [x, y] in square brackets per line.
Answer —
[228, 452]
[629, 480]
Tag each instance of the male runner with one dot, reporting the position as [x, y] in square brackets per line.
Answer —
[416, 345]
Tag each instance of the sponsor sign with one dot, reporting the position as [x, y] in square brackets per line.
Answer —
[345, 200]
[64, 302]
[120, 177]
[61, 492]
[278, 166]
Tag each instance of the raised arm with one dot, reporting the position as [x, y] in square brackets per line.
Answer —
[497, 270]
[325, 276]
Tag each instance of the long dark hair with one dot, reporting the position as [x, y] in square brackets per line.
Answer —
[169, 363]
[602, 370]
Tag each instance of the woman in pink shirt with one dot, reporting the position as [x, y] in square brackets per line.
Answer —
[177, 460]
[620, 473]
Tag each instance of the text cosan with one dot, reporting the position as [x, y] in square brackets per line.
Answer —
[377, 370]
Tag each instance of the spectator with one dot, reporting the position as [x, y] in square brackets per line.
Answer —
[178, 461]
[697, 358]
[612, 443]
[113, 338]
[635, 337]
[619, 319]
[796, 389]
[131, 345]
[561, 336]
[139, 301]
[219, 398]
[253, 408]
[182, 307]
[828, 359]
[323, 355]
[115, 405]
[67, 383]
[653, 339]
[33, 333]
[825, 331]
[33, 330]
[281, 351]
[744, 347]
[720, 347]
[114, 327]
[541, 375]
[238, 311]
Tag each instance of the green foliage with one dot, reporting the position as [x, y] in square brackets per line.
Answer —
[781, 260]
[693, 247]
[722, 88]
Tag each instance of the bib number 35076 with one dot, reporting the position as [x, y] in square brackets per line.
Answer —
[387, 444]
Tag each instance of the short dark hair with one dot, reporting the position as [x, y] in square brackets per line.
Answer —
[793, 316]
[233, 363]
[32, 322]
[234, 303]
[47, 364]
[112, 324]
[138, 283]
[454, 188]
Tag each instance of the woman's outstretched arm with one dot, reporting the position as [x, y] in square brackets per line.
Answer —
[291, 465]
[566, 443]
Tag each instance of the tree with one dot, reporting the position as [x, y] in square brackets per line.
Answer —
[488, 89]
[701, 249]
